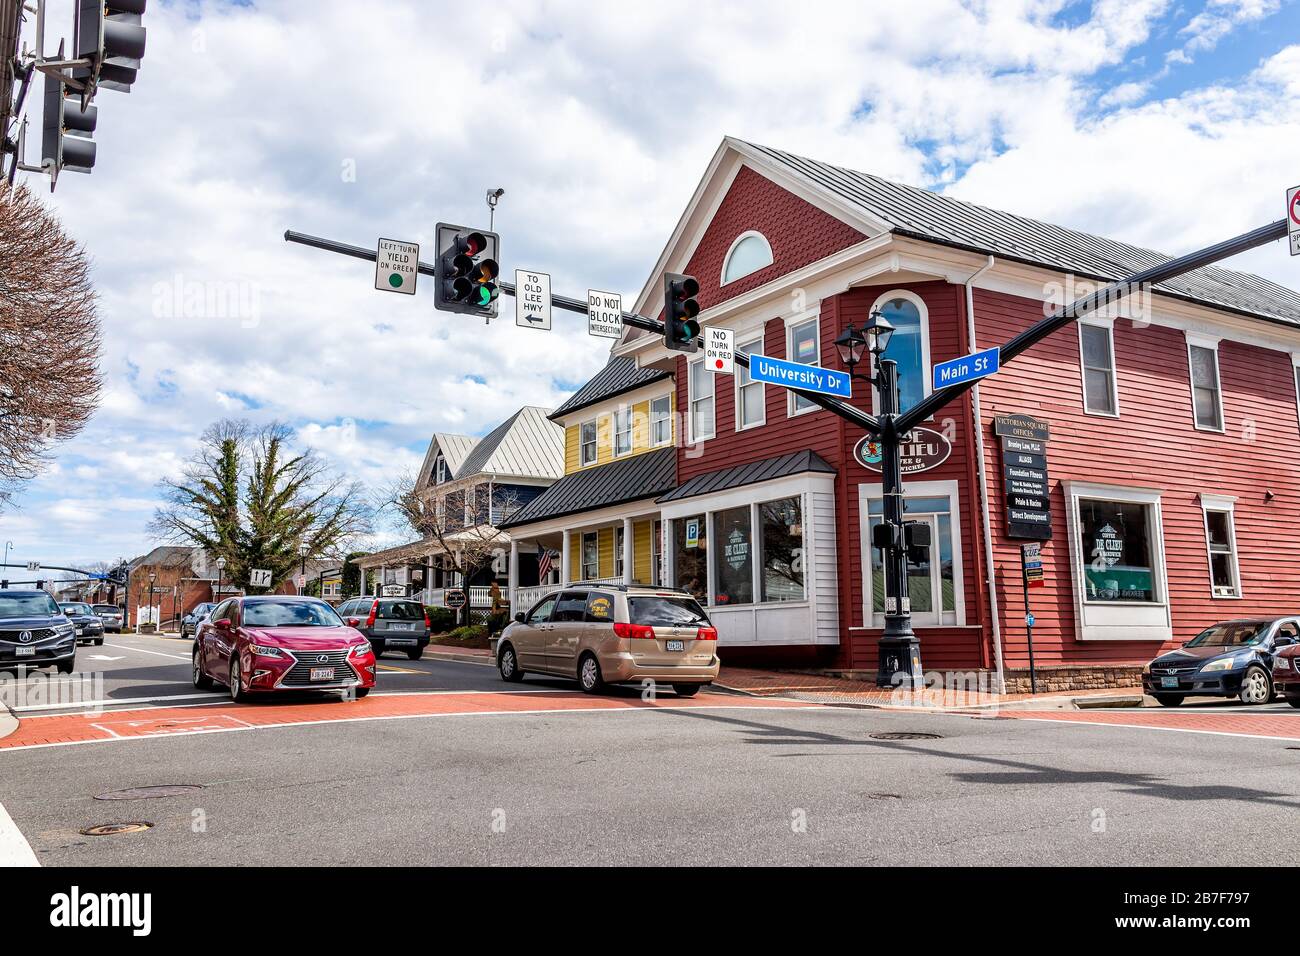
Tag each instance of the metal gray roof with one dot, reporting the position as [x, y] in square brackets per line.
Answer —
[781, 466]
[455, 449]
[631, 479]
[934, 217]
[525, 445]
[619, 376]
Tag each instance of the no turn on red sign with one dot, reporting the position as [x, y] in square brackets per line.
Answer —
[720, 350]
[1293, 218]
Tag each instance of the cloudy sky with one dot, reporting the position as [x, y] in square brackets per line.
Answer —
[1168, 124]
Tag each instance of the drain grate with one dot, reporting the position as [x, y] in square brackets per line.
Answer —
[150, 793]
[113, 829]
[905, 735]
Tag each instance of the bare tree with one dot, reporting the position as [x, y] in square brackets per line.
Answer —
[49, 338]
[248, 497]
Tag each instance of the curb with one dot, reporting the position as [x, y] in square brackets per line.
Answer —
[483, 659]
[8, 721]
[1064, 702]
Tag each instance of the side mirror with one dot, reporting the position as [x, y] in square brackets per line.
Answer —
[1284, 642]
[519, 618]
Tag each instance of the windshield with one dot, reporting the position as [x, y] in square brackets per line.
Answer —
[201, 610]
[665, 611]
[72, 608]
[1232, 634]
[289, 614]
[106, 609]
[401, 611]
[27, 605]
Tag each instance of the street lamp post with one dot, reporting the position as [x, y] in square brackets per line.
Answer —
[302, 568]
[899, 651]
[152, 577]
[221, 566]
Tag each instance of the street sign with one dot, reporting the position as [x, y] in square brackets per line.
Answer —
[1021, 426]
[604, 314]
[532, 300]
[919, 450]
[810, 378]
[396, 266]
[1024, 484]
[33, 566]
[720, 350]
[1293, 218]
[454, 599]
[966, 368]
[259, 578]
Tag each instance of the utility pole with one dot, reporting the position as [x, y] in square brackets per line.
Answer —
[899, 649]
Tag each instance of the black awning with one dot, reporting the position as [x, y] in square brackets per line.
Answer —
[631, 479]
[753, 472]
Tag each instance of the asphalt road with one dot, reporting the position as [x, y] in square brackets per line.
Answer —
[720, 784]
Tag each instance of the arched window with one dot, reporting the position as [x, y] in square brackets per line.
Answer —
[749, 253]
[909, 346]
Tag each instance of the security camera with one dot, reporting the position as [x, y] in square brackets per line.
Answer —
[494, 194]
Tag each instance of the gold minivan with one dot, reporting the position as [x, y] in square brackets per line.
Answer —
[612, 633]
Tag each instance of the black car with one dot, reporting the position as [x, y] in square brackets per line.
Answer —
[111, 615]
[190, 622]
[1231, 659]
[390, 624]
[90, 629]
[35, 633]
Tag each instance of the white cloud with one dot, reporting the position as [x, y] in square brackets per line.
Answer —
[1216, 21]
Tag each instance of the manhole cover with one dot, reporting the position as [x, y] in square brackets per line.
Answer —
[149, 793]
[112, 829]
[905, 735]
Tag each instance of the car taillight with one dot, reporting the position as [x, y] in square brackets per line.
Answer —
[428, 624]
[370, 618]
[634, 631]
[707, 634]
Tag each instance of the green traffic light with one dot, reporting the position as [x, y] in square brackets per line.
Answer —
[484, 296]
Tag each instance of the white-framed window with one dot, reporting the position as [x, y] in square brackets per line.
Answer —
[1221, 544]
[618, 552]
[661, 420]
[590, 556]
[748, 253]
[699, 387]
[935, 585]
[1117, 558]
[587, 443]
[1097, 360]
[440, 469]
[622, 430]
[750, 399]
[909, 346]
[657, 554]
[1207, 396]
[803, 345]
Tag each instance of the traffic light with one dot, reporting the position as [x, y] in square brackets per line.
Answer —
[67, 127]
[110, 35]
[680, 310]
[466, 271]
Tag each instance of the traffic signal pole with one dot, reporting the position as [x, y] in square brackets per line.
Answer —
[899, 649]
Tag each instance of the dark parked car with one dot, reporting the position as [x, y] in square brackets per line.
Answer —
[111, 615]
[390, 624]
[1286, 674]
[35, 633]
[90, 629]
[190, 622]
[1231, 659]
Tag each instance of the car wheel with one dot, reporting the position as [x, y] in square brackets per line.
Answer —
[99, 642]
[1293, 701]
[237, 692]
[686, 690]
[508, 665]
[415, 655]
[65, 667]
[1256, 688]
[589, 675]
[361, 692]
[201, 680]
[1168, 700]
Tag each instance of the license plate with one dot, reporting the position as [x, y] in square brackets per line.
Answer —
[25, 651]
[1169, 682]
[674, 646]
[401, 627]
[81, 630]
[322, 673]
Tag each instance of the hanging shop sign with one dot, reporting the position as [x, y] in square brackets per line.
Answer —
[920, 450]
[1024, 476]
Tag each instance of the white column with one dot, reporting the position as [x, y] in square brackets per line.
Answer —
[628, 552]
[565, 561]
[669, 553]
[512, 574]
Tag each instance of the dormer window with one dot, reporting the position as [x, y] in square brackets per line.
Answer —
[749, 253]
[439, 469]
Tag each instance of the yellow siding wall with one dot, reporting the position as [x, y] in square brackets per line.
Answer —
[605, 433]
[642, 534]
[605, 548]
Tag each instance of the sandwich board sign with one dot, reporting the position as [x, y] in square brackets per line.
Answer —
[1293, 219]
[720, 350]
[396, 266]
[532, 300]
[604, 314]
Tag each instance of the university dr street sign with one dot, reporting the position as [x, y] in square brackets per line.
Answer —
[810, 378]
[966, 368]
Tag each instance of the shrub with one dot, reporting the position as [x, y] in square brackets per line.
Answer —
[471, 632]
[441, 619]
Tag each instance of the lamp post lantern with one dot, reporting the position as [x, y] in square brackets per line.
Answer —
[221, 566]
[302, 567]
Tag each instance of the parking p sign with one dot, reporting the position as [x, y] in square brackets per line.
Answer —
[720, 350]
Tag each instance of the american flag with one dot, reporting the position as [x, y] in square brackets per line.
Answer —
[544, 558]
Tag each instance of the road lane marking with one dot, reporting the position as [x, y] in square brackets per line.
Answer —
[141, 650]
[14, 848]
[87, 705]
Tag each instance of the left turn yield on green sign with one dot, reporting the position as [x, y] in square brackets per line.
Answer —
[396, 266]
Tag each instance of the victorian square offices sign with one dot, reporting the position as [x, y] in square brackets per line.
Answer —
[1024, 476]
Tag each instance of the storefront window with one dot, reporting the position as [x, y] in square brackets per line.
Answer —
[1117, 553]
[734, 565]
[931, 576]
[782, 556]
[907, 348]
[691, 547]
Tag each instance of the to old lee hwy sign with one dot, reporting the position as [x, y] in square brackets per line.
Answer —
[920, 450]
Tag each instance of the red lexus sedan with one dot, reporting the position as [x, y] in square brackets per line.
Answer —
[255, 645]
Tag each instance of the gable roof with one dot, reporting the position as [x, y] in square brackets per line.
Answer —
[525, 445]
[165, 556]
[782, 466]
[629, 479]
[455, 449]
[933, 217]
[618, 376]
